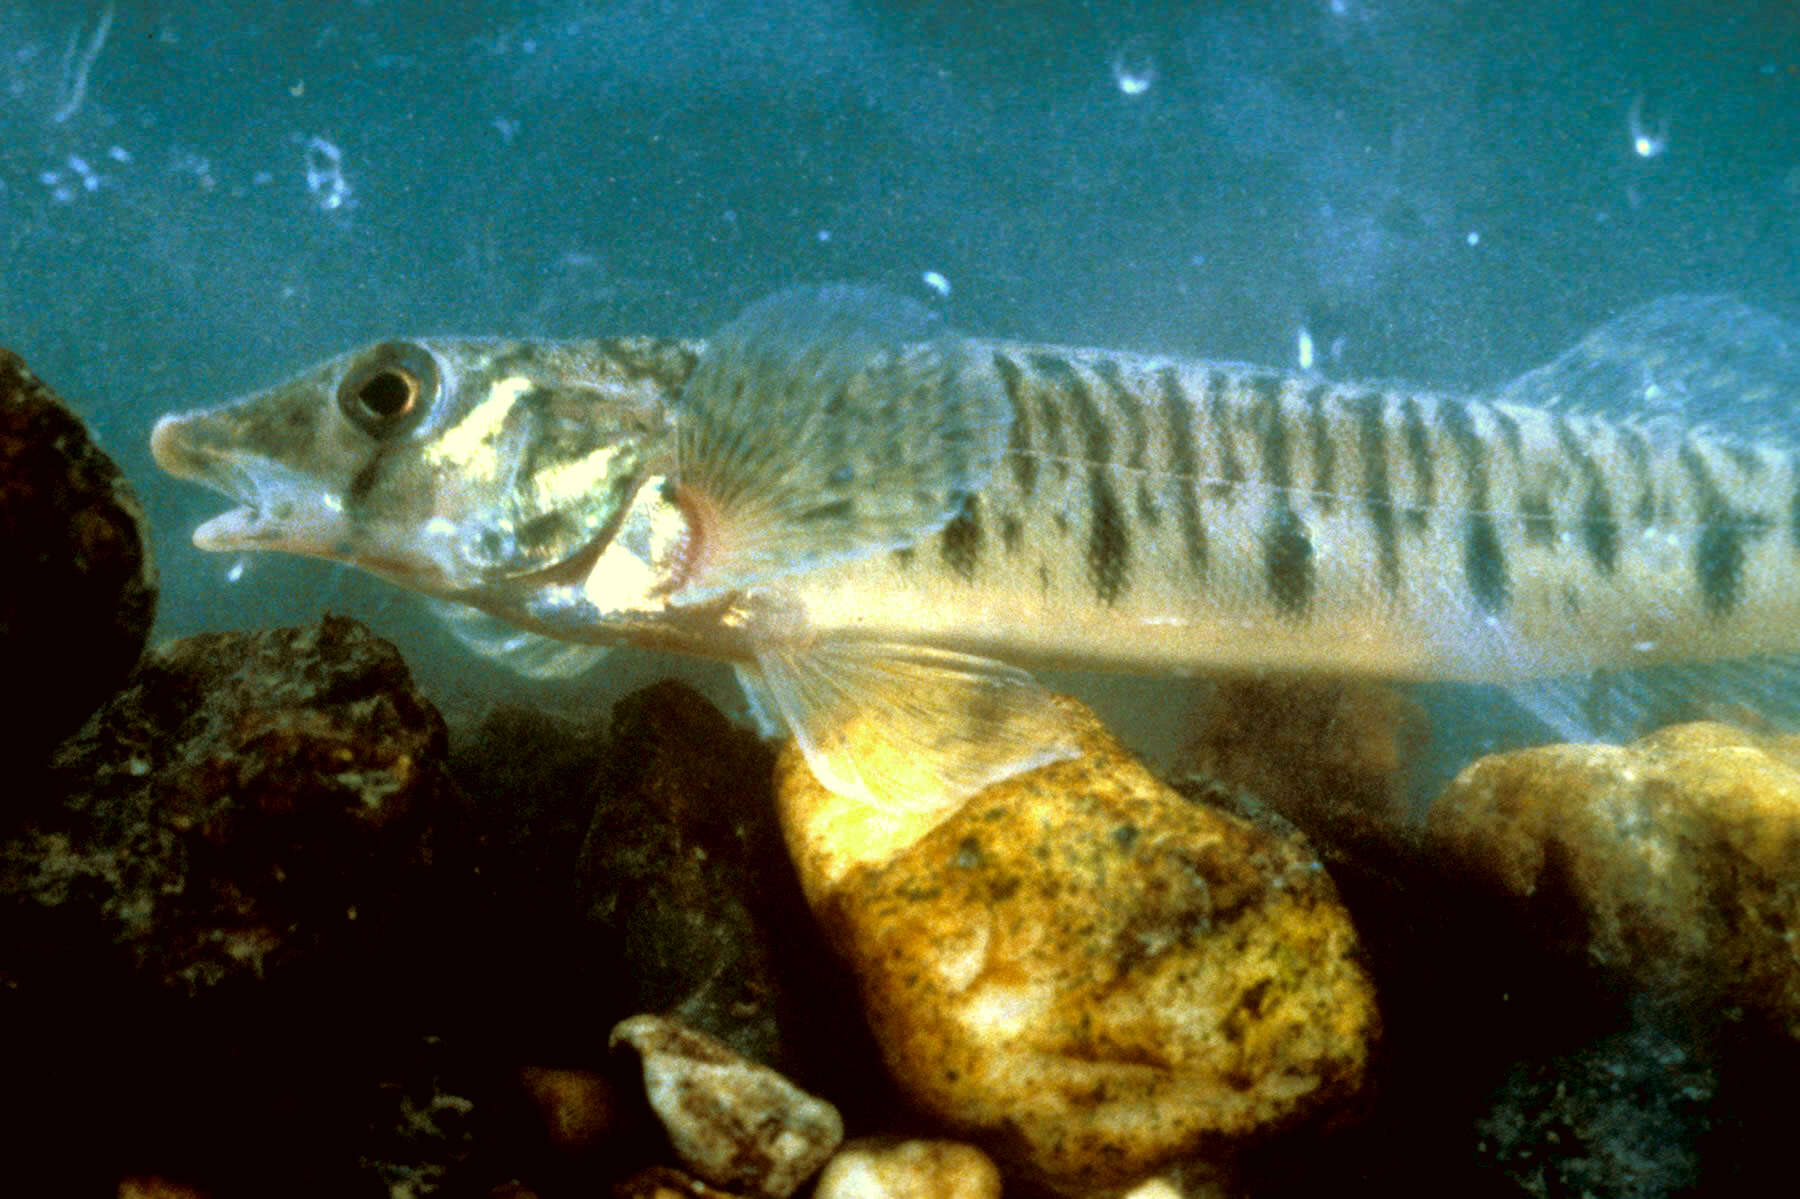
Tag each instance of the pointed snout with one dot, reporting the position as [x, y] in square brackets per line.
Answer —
[171, 444]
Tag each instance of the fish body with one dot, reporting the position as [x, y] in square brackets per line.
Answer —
[879, 524]
[1160, 515]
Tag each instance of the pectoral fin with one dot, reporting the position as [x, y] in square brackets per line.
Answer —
[827, 424]
[907, 725]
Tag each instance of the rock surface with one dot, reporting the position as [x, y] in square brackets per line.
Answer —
[215, 918]
[1624, 1115]
[1088, 972]
[734, 1123]
[682, 878]
[80, 591]
[888, 1168]
[636, 865]
[245, 799]
[1672, 863]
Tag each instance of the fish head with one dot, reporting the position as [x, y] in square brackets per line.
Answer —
[444, 465]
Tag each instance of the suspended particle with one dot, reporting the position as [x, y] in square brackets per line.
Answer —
[936, 282]
[1646, 141]
[90, 179]
[325, 174]
[1303, 350]
[1134, 67]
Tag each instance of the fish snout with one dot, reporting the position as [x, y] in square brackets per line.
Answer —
[172, 445]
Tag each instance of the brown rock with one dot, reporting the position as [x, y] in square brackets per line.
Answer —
[734, 1123]
[887, 1168]
[1673, 863]
[249, 796]
[80, 590]
[1088, 971]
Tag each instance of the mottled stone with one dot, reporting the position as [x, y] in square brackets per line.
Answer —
[79, 589]
[1672, 863]
[888, 1168]
[1086, 971]
[1626, 1115]
[246, 799]
[732, 1122]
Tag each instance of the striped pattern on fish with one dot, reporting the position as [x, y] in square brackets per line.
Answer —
[1157, 514]
[879, 524]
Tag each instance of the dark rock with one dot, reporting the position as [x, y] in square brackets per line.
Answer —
[638, 868]
[249, 798]
[682, 843]
[80, 590]
[213, 934]
[686, 885]
[1623, 1116]
[425, 1127]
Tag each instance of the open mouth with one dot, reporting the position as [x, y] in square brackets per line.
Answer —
[280, 509]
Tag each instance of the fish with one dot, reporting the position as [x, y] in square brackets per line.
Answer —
[885, 527]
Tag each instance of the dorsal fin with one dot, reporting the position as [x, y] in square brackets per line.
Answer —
[1679, 362]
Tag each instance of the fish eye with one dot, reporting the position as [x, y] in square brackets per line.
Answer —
[385, 391]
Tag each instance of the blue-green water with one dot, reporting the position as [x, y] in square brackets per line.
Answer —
[198, 199]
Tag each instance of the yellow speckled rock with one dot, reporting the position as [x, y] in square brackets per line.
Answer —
[1674, 861]
[1088, 972]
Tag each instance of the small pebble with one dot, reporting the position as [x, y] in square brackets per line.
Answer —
[882, 1168]
[734, 1123]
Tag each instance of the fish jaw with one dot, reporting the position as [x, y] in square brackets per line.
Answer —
[281, 508]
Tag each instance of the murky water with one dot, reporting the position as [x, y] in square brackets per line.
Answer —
[196, 200]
